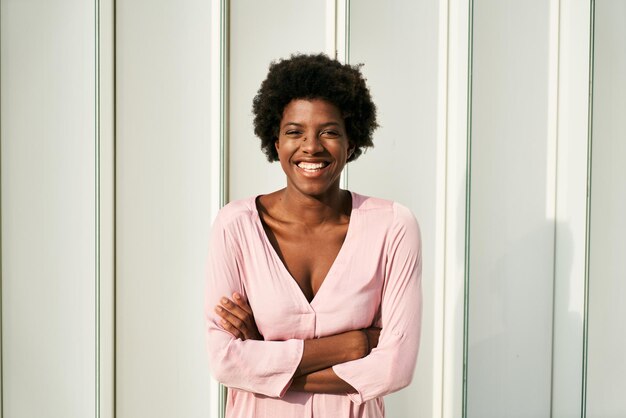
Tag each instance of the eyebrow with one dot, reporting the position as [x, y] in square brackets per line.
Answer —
[322, 125]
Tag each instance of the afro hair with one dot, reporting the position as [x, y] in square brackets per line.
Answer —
[314, 77]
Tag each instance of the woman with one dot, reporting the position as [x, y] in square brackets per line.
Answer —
[313, 301]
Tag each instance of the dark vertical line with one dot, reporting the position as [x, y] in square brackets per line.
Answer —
[468, 195]
[224, 115]
[224, 88]
[592, 12]
[347, 41]
[347, 29]
[556, 201]
[1, 250]
[445, 209]
[335, 52]
[97, 203]
[114, 204]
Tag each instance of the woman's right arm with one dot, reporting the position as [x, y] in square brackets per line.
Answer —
[263, 367]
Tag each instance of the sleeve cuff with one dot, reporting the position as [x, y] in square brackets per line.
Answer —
[293, 361]
[356, 398]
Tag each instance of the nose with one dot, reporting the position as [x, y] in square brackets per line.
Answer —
[311, 143]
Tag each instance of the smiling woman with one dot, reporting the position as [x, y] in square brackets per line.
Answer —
[313, 297]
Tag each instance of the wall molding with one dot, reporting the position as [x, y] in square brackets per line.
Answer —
[457, 113]
[219, 144]
[104, 16]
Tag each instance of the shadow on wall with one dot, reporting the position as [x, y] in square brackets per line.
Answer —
[511, 324]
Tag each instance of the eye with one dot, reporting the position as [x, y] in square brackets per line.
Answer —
[293, 132]
[330, 133]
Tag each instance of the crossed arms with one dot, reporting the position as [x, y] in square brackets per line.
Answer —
[314, 372]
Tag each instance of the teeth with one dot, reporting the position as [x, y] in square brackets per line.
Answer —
[311, 166]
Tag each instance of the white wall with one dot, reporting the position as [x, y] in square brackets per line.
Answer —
[56, 225]
[69, 306]
[162, 207]
[606, 383]
[511, 246]
[569, 93]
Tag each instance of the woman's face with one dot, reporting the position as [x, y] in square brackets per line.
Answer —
[312, 146]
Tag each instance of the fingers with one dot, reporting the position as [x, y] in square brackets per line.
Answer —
[242, 303]
[237, 317]
[231, 323]
[373, 335]
[237, 309]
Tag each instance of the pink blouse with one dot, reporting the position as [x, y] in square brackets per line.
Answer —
[374, 281]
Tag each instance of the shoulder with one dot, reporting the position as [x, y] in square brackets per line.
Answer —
[236, 213]
[404, 217]
[383, 210]
[395, 218]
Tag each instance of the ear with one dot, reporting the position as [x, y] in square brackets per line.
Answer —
[277, 145]
[351, 148]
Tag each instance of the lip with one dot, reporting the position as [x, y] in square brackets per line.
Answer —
[312, 174]
[311, 160]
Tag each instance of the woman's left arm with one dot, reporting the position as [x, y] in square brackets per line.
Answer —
[390, 366]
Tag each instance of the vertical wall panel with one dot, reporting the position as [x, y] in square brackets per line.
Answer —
[400, 57]
[606, 383]
[261, 32]
[106, 209]
[218, 54]
[511, 224]
[571, 191]
[163, 216]
[454, 132]
[48, 209]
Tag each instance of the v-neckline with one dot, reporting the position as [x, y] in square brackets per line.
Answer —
[283, 267]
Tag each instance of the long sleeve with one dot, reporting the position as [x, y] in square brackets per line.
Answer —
[263, 367]
[390, 366]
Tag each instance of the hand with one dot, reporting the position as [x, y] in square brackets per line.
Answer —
[373, 334]
[237, 318]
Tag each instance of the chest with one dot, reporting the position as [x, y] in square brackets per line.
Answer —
[305, 285]
[307, 254]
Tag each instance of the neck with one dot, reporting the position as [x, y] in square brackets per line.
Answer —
[315, 210]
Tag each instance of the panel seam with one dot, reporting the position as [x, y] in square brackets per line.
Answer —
[588, 210]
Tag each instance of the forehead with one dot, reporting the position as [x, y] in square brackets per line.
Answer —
[311, 110]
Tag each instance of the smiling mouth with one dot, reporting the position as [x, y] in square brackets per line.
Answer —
[312, 167]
